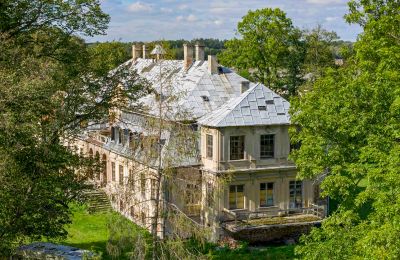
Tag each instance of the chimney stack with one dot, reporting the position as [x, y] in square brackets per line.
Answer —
[245, 86]
[135, 52]
[187, 56]
[212, 64]
[199, 52]
[145, 54]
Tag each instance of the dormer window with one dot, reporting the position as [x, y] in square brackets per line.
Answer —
[205, 98]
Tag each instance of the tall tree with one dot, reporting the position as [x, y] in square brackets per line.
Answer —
[47, 91]
[348, 127]
[268, 50]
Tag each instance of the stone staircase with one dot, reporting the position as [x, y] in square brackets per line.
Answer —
[98, 201]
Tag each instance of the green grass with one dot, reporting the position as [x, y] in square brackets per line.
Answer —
[89, 231]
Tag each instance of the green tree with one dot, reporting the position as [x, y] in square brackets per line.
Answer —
[319, 50]
[268, 50]
[47, 91]
[108, 55]
[348, 127]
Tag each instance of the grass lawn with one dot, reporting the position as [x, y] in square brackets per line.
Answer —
[89, 231]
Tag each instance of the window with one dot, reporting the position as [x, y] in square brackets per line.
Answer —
[236, 197]
[143, 184]
[237, 147]
[209, 195]
[153, 189]
[113, 171]
[295, 194]
[112, 133]
[209, 150]
[266, 194]
[131, 181]
[121, 175]
[266, 146]
[120, 136]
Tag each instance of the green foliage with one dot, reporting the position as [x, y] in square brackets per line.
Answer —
[48, 90]
[269, 49]
[348, 127]
[107, 56]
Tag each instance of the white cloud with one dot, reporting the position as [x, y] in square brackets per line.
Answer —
[166, 10]
[326, 2]
[182, 7]
[191, 18]
[217, 22]
[140, 7]
[332, 18]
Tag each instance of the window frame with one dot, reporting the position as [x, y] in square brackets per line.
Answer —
[209, 146]
[242, 139]
[266, 189]
[236, 207]
[271, 153]
[121, 174]
[113, 171]
[297, 191]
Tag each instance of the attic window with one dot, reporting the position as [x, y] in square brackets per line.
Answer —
[262, 108]
[205, 98]
[269, 102]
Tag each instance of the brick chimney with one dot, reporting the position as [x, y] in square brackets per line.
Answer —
[187, 56]
[145, 54]
[212, 64]
[244, 86]
[136, 52]
[199, 51]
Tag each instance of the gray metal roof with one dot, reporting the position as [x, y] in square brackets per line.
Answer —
[194, 92]
[257, 106]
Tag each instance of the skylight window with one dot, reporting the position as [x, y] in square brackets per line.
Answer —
[269, 102]
[262, 108]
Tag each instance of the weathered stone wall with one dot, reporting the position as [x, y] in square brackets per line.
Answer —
[273, 233]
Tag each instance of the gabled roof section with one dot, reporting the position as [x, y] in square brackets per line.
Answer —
[257, 106]
[195, 91]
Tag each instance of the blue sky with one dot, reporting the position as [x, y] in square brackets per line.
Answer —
[133, 20]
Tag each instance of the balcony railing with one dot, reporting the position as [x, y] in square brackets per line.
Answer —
[318, 211]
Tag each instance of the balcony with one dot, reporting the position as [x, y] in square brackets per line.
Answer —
[271, 225]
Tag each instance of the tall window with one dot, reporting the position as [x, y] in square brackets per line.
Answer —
[295, 194]
[121, 175]
[266, 146]
[112, 133]
[143, 184]
[153, 189]
[237, 147]
[266, 194]
[209, 150]
[113, 171]
[236, 197]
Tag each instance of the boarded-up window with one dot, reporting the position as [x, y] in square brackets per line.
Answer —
[236, 196]
[266, 194]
